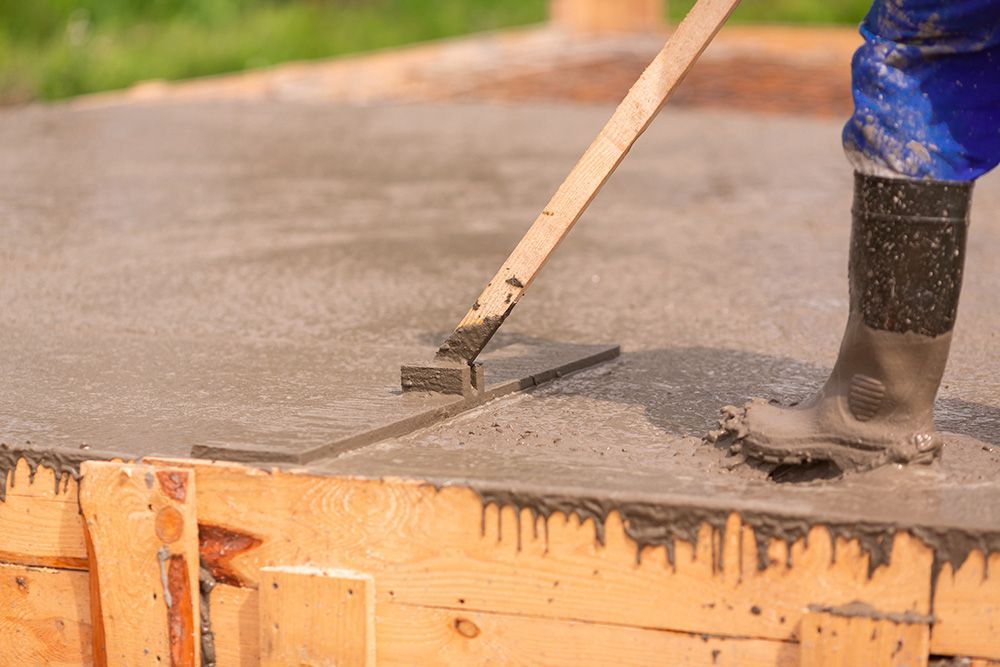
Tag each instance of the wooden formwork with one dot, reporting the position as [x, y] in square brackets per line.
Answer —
[317, 570]
[608, 16]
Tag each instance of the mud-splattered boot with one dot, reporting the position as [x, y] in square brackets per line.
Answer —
[905, 271]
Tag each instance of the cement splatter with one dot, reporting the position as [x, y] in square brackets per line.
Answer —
[859, 609]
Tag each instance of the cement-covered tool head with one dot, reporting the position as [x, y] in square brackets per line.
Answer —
[444, 377]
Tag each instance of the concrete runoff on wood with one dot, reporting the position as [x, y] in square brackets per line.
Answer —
[185, 274]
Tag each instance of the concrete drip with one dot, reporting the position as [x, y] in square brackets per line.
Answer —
[660, 525]
[648, 524]
[64, 463]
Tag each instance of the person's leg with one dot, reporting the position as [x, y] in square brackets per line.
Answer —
[927, 90]
[926, 124]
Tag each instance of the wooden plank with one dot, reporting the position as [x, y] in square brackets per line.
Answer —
[40, 525]
[600, 160]
[437, 548]
[235, 626]
[99, 641]
[608, 16]
[967, 609]
[413, 635]
[143, 527]
[316, 616]
[44, 616]
[830, 640]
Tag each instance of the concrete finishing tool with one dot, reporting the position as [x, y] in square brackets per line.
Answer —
[454, 369]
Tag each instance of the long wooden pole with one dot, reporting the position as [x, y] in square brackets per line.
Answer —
[629, 121]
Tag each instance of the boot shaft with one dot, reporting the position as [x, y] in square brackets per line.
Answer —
[907, 253]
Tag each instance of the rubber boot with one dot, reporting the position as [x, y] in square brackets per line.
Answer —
[905, 273]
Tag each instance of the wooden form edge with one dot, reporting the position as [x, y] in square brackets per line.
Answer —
[965, 624]
[722, 603]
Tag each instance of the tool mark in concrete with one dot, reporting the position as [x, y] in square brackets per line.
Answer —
[418, 420]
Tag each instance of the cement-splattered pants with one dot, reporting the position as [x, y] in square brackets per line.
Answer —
[927, 90]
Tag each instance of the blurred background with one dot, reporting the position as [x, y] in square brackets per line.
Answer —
[54, 49]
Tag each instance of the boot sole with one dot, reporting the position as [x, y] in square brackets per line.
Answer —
[846, 456]
[843, 455]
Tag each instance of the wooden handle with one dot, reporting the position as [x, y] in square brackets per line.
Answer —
[629, 121]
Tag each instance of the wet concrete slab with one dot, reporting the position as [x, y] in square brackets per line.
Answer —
[192, 273]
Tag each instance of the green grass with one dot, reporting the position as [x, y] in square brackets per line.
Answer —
[51, 49]
[787, 11]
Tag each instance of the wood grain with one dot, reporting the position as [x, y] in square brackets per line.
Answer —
[839, 641]
[145, 545]
[600, 160]
[435, 548]
[316, 616]
[44, 616]
[39, 525]
[967, 609]
[412, 635]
